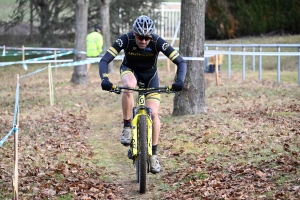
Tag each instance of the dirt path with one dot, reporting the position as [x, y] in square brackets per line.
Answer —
[110, 153]
[121, 169]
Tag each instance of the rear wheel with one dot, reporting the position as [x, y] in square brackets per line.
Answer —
[143, 153]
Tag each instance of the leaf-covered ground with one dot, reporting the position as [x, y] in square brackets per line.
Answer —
[245, 147]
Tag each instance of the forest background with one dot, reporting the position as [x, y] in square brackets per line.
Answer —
[51, 23]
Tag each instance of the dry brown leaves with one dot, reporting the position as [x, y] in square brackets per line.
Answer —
[260, 158]
[44, 171]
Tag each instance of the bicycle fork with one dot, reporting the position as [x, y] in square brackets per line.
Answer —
[137, 111]
[135, 134]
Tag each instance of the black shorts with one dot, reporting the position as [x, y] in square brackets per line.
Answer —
[149, 78]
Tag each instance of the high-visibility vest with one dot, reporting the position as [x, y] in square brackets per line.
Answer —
[94, 44]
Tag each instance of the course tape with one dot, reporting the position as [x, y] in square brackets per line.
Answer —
[15, 115]
[36, 59]
[36, 48]
[82, 62]
[5, 138]
[20, 53]
[31, 73]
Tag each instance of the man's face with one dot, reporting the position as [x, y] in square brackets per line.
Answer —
[142, 41]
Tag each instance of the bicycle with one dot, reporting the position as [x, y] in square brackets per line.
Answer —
[141, 143]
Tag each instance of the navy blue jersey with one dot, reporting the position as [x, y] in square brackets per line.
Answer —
[140, 60]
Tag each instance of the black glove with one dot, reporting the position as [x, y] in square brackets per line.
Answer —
[106, 84]
[177, 86]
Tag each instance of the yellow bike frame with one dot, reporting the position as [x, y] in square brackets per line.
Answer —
[141, 102]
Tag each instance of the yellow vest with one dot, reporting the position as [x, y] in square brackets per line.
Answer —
[94, 44]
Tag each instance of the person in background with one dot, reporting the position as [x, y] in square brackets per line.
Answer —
[141, 48]
[206, 66]
[94, 44]
[212, 63]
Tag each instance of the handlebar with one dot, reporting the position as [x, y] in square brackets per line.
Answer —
[164, 89]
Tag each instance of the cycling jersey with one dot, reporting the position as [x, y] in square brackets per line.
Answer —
[141, 60]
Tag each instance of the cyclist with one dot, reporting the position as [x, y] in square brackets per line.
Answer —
[141, 48]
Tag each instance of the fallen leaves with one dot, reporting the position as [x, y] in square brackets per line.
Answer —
[57, 135]
[249, 151]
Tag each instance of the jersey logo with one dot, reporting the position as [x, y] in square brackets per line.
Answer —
[105, 75]
[148, 49]
[165, 46]
[134, 48]
[119, 42]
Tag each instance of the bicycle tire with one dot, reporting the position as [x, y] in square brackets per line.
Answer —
[137, 170]
[143, 153]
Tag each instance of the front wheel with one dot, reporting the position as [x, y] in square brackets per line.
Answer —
[142, 164]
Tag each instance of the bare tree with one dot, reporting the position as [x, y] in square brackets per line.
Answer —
[55, 18]
[105, 23]
[124, 12]
[46, 12]
[80, 73]
[192, 99]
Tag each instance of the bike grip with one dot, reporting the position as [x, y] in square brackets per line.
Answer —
[170, 87]
[114, 87]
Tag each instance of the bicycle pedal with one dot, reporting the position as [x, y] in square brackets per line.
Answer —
[129, 154]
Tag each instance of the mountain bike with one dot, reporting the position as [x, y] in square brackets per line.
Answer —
[141, 143]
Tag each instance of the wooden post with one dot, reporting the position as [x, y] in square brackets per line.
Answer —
[55, 62]
[217, 70]
[50, 84]
[16, 156]
[23, 53]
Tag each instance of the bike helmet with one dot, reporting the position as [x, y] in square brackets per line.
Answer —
[144, 26]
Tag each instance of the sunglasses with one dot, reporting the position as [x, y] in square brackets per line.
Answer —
[141, 38]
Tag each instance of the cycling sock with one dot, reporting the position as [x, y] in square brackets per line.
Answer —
[154, 148]
[127, 123]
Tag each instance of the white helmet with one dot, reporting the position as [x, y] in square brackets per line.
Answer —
[144, 26]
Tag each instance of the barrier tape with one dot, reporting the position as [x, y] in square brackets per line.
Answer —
[5, 137]
[36, 48]
[15, 115]
[36, 71]
[19, 53]
[36, 59]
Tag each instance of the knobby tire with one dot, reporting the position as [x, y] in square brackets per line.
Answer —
[143, 153]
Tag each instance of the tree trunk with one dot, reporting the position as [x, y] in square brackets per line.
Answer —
[45, 29]
[80, 73]
[192, 99]
[105, 21]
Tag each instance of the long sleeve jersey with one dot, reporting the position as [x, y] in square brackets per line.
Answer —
[142, 59]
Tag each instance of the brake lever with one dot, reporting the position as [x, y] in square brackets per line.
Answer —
[115, 91]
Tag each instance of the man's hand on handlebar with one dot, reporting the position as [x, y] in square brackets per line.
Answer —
[177, 86]
[106, 84]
